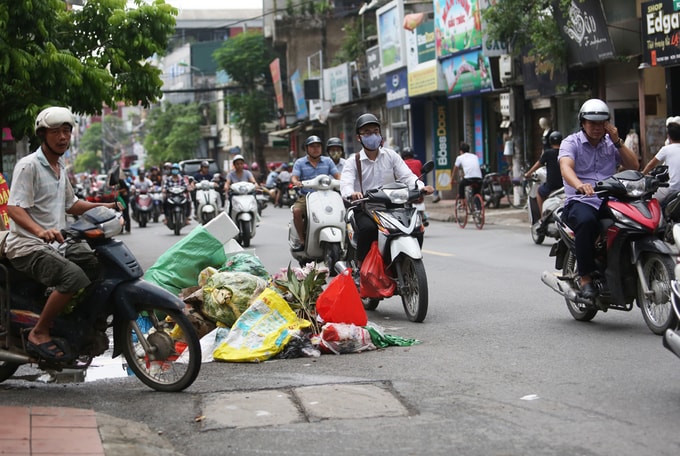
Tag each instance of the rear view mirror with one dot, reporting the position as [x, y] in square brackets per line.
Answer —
[427, 167]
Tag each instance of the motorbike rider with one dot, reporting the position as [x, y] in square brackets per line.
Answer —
[305, 168]
[155, 176]
[417, 167]
[336, 150]
[282, 182]
[553, 179]
[669, 155]
[379, 166]
[469, 163]
[202, 174]
[270, 183]
[586, 157]
[39, 199]
[238, 174]
[219, 181]
[175, 179]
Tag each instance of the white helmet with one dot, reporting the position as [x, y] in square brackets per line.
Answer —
[595, 110]
[238, 157]
[53, 117]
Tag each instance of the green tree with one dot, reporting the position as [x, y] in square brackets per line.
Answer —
[246, 58]
[78, 58]
[87, 162]
[173, 133]
[107, 139]
[530, 25]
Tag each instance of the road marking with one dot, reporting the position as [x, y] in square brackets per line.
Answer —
[432, 252]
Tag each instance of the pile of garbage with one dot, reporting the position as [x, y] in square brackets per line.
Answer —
[244, 314]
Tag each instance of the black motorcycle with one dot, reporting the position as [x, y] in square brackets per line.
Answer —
[492, 188]
[177, 201]
[147, 323]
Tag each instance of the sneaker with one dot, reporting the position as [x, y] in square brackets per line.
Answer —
[297, 247]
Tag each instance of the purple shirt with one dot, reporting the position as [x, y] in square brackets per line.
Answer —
[591, 164]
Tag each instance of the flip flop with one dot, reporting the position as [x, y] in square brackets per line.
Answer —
[52, 350]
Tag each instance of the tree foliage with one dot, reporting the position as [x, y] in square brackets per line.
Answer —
[87, 162]
[246, 58]
[173, 133]
[78, 58]
[528, 25]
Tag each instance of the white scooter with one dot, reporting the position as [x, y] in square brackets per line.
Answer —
[543, 223]
[208, 201]
[244, 211]
[325, 221]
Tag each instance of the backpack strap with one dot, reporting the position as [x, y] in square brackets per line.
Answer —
[361, 183]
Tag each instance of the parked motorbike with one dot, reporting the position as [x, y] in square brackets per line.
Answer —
[634, 263]
[243, 211]
[325, 222]
[400, 238]
[147, 323]
[157, 196]
[178, 200]
[543, 224]
[208, 200]
[492, 188]
[142, 208]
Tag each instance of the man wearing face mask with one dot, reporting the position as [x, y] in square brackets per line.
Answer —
[372, 167]
[335, 150]
[586, 157]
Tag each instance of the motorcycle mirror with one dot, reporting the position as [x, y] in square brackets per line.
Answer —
[427, 167]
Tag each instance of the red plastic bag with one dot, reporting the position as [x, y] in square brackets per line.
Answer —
[340, 301]
[375, 283]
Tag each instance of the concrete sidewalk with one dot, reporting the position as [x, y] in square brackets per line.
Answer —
[504, 215]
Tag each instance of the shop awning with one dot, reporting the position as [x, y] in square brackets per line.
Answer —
[285, 131]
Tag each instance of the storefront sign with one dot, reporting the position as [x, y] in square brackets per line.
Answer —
[298, 96]
[442, 146]
[275, 70]
[376, 81]
[467, 74]
[458, 26]
[426, 79]
[661, 32]
[584, 28]
[391, 36]
[543, 80]
[397, 88]
[336, 84]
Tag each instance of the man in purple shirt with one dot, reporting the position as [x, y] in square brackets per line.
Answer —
[586, 157]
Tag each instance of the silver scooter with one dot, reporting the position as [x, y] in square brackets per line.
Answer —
[543, 223]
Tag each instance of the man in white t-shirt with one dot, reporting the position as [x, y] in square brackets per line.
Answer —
[669, 155]
[469, 163]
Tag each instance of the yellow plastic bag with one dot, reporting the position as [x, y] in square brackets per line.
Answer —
[262, 331]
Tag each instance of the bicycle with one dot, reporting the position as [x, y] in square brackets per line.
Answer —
[472, 203]
[519, 185]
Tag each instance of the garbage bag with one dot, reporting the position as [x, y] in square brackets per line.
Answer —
[374, 281]
[340, 301]
[262, 331]
[382, 340]
[180, 265]
[226, 295]
[245, 262]
[342, 338]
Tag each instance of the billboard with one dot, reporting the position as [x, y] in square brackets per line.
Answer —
[391, 36]
[661, 32]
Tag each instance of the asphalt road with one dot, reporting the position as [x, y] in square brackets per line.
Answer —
[502, 369]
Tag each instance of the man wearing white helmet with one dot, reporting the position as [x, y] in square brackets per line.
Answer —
[40, 197]
[586, 157]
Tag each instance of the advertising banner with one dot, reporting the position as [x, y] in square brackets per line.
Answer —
[584, 29]
[391, 36]
[376, 81]
[458, 26]
[337, 87]
[545, 80]
[661, 32]
[301, 111]
[396, 88]
[467, 74]
[442, 145]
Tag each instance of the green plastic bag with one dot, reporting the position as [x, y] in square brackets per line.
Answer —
[245, 262]
[181, 264]
[382, 340]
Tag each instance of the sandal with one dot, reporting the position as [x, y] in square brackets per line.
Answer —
[52, 350]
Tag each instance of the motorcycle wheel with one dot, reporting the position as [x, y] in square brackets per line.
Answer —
[414, 295]
[176, 223]
[331, 256]
[535, 235]
[245, 233]
[657, 307]
[460, 212]
[7, 370]
[156, 216]
[163, 365]
[370, 303]
[142, 220]
[578, 311]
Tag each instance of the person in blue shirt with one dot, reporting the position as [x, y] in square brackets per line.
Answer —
[305, 168]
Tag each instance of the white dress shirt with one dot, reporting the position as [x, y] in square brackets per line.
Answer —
[387, 167]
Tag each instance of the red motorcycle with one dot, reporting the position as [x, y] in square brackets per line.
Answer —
[634, 262]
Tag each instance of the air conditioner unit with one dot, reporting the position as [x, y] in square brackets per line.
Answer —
[505, 68]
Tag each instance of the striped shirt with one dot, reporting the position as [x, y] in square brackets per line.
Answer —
[46, 198]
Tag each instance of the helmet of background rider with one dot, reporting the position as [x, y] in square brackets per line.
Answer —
[555, 138]
[335, 143]
[594, 110]
[407, 153]
[174, 169]
[312, 140]
[365, 119]
[53, 117]
[204, 166]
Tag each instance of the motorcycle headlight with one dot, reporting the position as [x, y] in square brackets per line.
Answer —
[634, 188]
[325, 181]
[397, 196]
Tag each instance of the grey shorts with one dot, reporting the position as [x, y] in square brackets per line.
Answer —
[53, 270]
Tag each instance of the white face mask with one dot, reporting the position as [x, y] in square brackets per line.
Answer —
[372, 141]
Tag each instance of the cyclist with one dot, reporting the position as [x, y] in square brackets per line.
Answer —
[469, 163]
